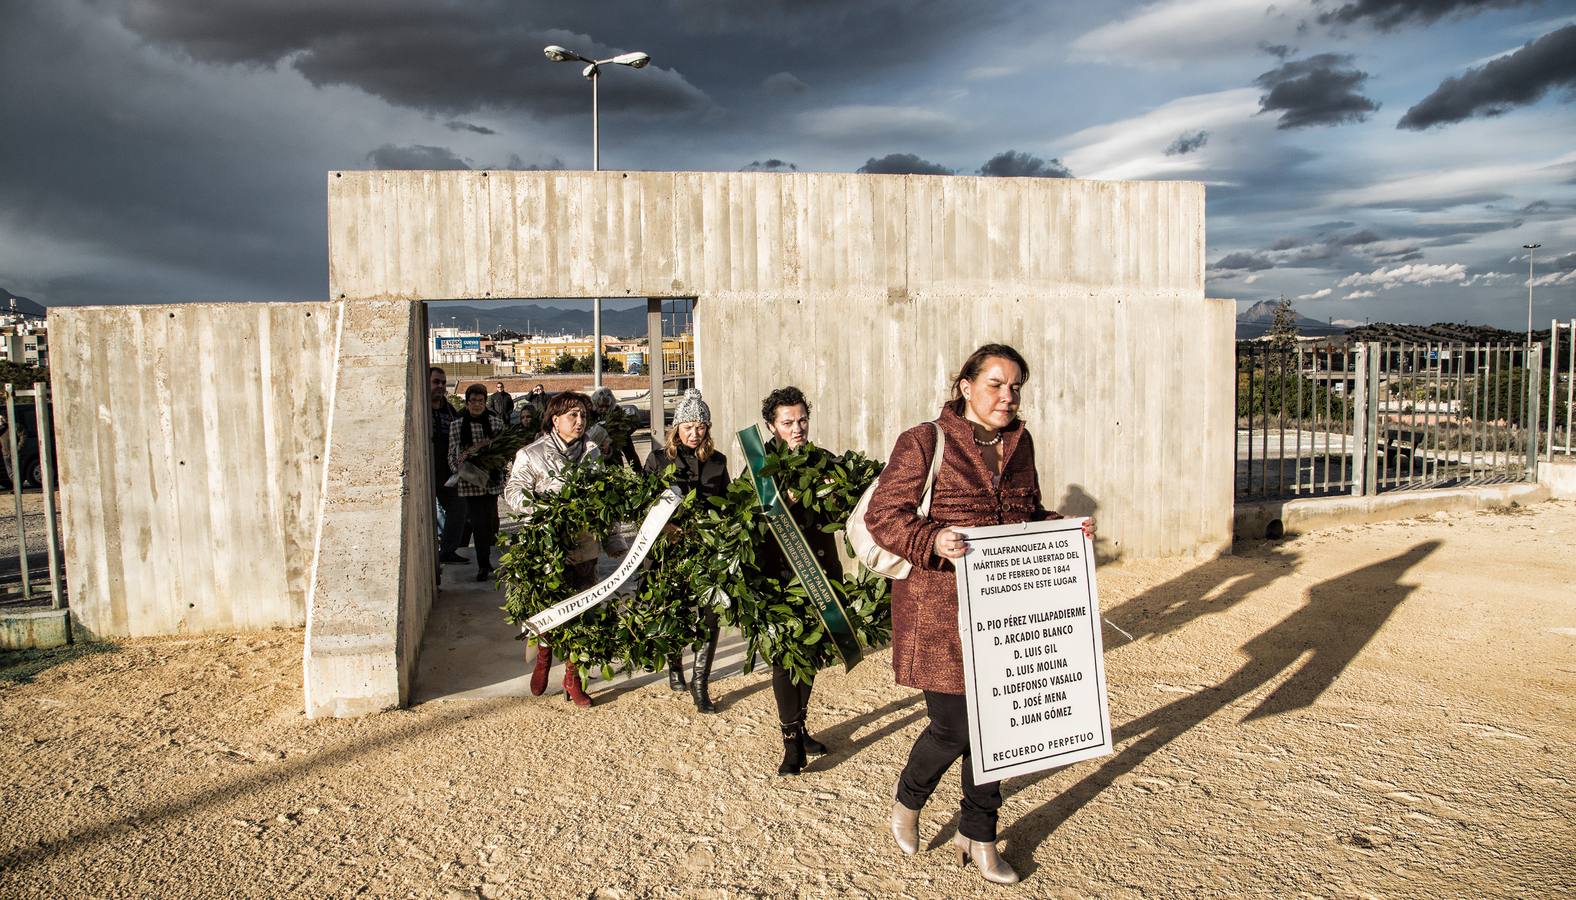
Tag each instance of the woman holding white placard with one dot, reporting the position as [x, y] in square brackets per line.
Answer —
[986, 477]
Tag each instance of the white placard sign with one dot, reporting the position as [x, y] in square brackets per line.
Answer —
[1033, 664]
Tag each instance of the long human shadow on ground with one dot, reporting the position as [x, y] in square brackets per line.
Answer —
[147, 815]
[1338, 620]
[1212, 588]
[839, 737]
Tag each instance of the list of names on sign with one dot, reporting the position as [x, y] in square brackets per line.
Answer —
[1034, 673]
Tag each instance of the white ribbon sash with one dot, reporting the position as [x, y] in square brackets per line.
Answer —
[650, 528]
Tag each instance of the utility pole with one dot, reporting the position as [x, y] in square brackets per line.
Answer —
[1529, 248]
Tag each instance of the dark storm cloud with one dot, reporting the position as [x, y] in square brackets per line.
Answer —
[1251, 262]
[783, 84]
[826, 21]
[1321, 90]
[902, 164]
[769, 165]
[1448, 234]
[1496, 88]
[1358, 238]
[1537, 206]
[1436, 204]
[1403, 242]
[142, 188]
[468, 126]
[1012, 164]
[1279, 51]
[1296, 252]
[416, 156]
[1187, 142]
[1387, 15]
[441, 58]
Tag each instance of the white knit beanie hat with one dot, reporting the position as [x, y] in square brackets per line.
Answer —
[692, 408]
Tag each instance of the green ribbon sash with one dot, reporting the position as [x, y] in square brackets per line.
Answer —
[800, 557]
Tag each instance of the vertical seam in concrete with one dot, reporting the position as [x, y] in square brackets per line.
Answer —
[322, 508]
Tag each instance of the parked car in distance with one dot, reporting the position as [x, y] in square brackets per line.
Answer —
[26, 446]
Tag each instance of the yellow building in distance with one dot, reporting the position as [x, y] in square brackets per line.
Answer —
[678, 353]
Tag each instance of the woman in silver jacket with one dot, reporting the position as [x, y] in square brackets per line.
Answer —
[539, 469]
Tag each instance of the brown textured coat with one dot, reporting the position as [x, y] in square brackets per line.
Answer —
[926, 652]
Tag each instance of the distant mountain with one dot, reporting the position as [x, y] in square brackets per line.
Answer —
[551, 320]
[23, 305]
[1255, 321]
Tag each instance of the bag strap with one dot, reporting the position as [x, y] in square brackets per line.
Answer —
[935, 466]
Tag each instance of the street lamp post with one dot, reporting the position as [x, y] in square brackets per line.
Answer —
[1529, 248]
[593, 72]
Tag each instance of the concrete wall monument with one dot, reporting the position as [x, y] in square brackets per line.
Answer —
[863, 290]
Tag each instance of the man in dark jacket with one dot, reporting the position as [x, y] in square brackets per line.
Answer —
[502, 403]
[449, 501]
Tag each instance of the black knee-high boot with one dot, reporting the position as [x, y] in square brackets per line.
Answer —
[787, 695]
[811, 745]
[700, 676]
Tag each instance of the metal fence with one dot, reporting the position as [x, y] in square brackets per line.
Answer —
[33, 572]
[1374, 417]
[1562, 388]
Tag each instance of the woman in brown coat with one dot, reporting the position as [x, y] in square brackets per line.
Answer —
[987, 477]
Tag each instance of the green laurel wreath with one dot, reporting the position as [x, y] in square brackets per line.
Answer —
[705, 562]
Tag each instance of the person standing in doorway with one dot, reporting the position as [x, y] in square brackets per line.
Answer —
[451, 508]
[620, 428]
[469, 432]
[502, 403]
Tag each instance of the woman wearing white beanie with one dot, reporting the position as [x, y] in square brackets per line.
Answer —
[698, 466]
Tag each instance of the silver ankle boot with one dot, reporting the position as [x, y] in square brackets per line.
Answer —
[905, 828]
[992, 867]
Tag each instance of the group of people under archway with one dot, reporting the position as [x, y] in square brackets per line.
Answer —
[986, 476]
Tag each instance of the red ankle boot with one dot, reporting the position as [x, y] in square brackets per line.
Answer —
[544, 661]
[572, 686]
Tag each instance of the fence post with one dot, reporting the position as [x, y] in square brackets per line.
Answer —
[1534, 395]
[44, 411]
[1362, 477]
[12, 426]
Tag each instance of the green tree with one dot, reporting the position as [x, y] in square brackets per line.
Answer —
[583, 364]
[21, 373]
[1502, 396]
[1275, 390]
[1283, 328]
[564, 363]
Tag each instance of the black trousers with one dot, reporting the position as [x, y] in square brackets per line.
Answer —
[481, 514]
[453, 519]
[942, 743]
[792, 699]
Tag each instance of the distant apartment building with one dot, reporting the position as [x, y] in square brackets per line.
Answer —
[24, 339]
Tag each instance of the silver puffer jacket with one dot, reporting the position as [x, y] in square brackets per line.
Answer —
[539, 468]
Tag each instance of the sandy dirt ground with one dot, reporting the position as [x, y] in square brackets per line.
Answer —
[1381, 710]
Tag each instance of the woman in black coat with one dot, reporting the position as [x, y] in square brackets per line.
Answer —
[697, 466]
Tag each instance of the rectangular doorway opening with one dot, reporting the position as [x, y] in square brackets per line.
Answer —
[649, 359]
